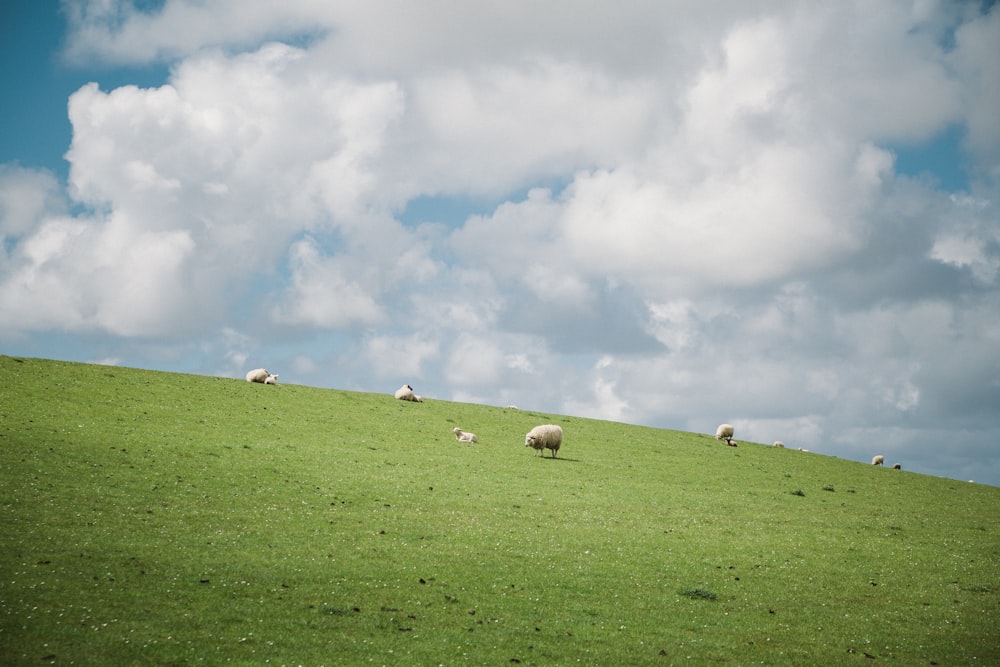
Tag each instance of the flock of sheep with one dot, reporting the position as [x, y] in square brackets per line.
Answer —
[540, 438]
[726, 432]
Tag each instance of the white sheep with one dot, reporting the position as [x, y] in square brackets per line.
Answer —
[779, 443]
[725, 432]
[405, 393]
[262, 376]
[878, 460]
[897, 466]
[464, 436]
[546, 436]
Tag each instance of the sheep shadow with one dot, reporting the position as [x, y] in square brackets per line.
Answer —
[559, 458]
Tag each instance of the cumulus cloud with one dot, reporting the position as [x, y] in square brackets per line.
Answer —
[671, 214]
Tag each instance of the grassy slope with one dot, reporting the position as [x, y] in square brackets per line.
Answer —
[153, 518]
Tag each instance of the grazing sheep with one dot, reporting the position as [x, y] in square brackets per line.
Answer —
[878, 460]
[779, 443]
[262, 376]
[725, 432]
[405, 393]
[464, 436]
[546, 436]
[897, 466]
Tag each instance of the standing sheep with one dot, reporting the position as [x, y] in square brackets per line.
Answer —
[546, 436]
[405, 393]
[878, 460]
[779, 443]
[725, 432]
[897, 466]
[464, 436]
[262, 376]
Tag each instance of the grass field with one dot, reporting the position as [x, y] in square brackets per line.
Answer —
[162, 519]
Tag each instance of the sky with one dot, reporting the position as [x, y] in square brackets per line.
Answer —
[779, 214]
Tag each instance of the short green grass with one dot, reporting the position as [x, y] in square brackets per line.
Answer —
[162, 519]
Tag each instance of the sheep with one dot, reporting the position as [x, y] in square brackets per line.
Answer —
[262, 375]
[779, 443]
[725, 432]
[897, 466]
[405, 393]
[878, 460]
[546, 436]
[464, 436]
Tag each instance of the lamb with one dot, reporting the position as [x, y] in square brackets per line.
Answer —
[725, 432]
[897, 466]
[405, 393]
[546, 436]
[262, 376]
[464, 436]
[779, 443]
[878, 460]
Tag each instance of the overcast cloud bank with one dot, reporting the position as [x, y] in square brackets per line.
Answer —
[666, 214]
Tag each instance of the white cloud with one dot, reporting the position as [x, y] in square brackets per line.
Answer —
[979, 68]
[25, 196]
[399, 357]
[324, 292]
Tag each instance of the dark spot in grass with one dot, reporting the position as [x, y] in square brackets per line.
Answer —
[49, 658]
[203, 581]
[978, 588]
[389, 609]
[698, 594]
[828, 487]
[336, 611]
[798, 492]
[663, 652]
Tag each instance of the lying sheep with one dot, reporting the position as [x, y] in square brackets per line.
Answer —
[725, 432]
[897, 466]
[464, 436]
[262, 376]
[405, 393]
[878, 460]
[779, 443]
[546, 436]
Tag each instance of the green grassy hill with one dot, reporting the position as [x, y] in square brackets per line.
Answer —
[153, 518]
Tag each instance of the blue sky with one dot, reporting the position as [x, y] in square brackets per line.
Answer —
[775, 214]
